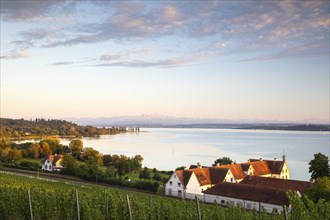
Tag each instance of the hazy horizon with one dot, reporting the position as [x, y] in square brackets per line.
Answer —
[229, 60]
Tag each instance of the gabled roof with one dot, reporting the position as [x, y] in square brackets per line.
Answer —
[203, 175]
[236, 170]
[250, 192]
[184, 176]
[275, 166]
[245, 166]
[260, 167]
[278, 183]
[52, 158]
[217, 174]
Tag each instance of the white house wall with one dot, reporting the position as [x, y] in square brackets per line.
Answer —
[194, 188]
[47, 166]
[247, 204]
[174, 187]
[229, 177]
[285, 173]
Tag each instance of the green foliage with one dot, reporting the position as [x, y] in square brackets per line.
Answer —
[302, 208]
[223, 161]
[145, 173]
[29, 164]
[321, 190]
[319, 166]
[180, 168]
[20, 128]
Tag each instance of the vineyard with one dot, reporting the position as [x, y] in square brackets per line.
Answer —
[23, 197]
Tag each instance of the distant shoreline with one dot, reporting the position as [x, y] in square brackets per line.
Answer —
[267, 127]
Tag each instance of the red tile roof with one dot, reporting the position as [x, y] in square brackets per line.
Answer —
[203, 175]
[184, 176]
[236, 170]
[250, 192]
[275, 166]
[278, 183]
[260, 167]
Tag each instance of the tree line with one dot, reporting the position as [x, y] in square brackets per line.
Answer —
[83, 162]
[20, 128]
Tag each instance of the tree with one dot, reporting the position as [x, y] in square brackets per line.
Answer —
[70, 165]
[321, 190]
[136, 162]
[33, 150]
[123, 167]
[157, 177]
[107, 160]
[144, 174]
[319, 166]
[111, 172]
[76, 147]
[91, 155]
[223, 161]
[180, 168]
[44, 149]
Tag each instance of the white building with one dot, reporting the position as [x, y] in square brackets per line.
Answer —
[255, 192]
[52, 163]
[192, 182]
[247, 196]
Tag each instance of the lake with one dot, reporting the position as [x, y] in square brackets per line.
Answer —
[168, 148]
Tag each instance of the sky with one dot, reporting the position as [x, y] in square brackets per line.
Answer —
[236, 60]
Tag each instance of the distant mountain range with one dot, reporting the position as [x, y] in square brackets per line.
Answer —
[156, 120]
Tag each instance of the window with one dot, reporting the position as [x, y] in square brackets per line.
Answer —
[180, 193]
[170, 191]
[174, 176]
[171, 183]
[248, 206]
[231, 180]
[223, 201]
[286, 177]
[179, 184]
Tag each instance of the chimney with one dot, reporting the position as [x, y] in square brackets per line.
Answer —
[199, 165]
[274, 158]
[260, 159]
[284, 158]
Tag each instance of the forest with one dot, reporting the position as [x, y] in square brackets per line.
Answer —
[20, 129]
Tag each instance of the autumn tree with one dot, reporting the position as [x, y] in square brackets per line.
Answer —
[33, 150]
[76, 147]
[91, 155]
[44, 149]
[319, 166]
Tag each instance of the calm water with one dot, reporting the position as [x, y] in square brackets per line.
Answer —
[168, 148]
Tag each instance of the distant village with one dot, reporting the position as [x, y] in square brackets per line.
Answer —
[256, 184]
